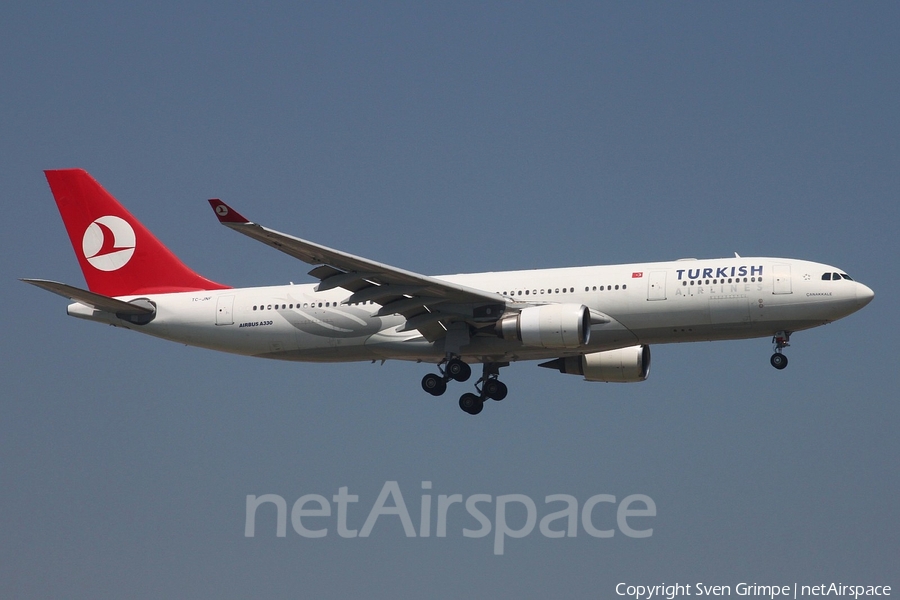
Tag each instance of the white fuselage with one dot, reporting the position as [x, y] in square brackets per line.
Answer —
[647, 303]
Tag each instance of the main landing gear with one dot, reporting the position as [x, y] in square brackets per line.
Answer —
[781, 341]
[453, 369]
[488, 386]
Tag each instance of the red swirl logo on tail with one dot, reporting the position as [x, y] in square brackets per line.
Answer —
[108, 243]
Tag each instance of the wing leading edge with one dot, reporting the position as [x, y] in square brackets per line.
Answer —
[430, 305]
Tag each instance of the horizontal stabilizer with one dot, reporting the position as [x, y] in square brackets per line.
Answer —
[97, 301]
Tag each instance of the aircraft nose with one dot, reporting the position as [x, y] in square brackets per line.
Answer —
[864, 294]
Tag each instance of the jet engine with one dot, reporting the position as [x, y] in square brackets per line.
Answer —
[548, 326]
[625, 365]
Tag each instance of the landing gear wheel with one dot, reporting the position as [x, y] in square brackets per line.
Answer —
[471, 403]
[495, 390]
[458, 370]
[779, 361]
[434, 384]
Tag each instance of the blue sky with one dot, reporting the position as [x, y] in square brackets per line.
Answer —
[449, 138]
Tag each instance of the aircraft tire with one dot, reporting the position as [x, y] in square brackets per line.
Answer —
[779, 361]
[434, 384]
[458, 370]
[471, 403]
[495, 390]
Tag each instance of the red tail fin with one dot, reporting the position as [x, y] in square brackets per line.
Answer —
[117, 254]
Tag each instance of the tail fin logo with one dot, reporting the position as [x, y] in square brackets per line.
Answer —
[108, 243]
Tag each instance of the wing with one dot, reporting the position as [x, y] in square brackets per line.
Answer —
[430, 305]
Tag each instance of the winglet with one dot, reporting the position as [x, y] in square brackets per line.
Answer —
[225, 213]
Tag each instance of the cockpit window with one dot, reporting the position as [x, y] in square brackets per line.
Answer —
[836, 277]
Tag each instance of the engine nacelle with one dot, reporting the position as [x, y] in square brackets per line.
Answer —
[625, 365]
[548, 326]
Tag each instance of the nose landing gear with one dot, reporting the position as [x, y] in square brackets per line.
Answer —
[781, 341]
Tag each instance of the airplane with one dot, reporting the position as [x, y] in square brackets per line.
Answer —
[594, 321]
